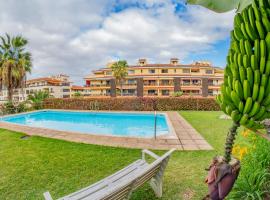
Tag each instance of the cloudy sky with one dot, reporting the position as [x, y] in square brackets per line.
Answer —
[77, 36]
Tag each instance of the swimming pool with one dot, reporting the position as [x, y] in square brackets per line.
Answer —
[100, 123]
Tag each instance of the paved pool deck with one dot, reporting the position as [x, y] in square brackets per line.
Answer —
[184, 137]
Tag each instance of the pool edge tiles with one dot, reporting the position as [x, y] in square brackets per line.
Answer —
[183, 136]
[111, 128]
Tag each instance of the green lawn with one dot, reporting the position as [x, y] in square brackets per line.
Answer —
[30, 167]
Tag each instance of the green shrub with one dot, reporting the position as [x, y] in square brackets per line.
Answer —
[78, 94]
[254, 178]
[9, 108]
[12, 108]
[37, 99]
[178, 94]
[133, 103]
[22, 107]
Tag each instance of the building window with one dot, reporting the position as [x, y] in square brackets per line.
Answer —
[209, 71]
[165, 92]
[186, 71]
[195, 70]
[131, 71]
[151, 71]
[66, 90]
[165, 82]
[164, 71]
[174, 70]
[152, 92]
[186, 82]
[131, 81]
[109, 73]
[196, 82]
[129, 92]
[65, 84]
[150, 82]
[141, 71]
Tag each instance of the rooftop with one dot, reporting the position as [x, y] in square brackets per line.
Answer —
[77, 87]
[174, 62]
[61, 78]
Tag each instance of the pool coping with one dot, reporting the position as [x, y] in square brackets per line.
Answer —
[171, 133]
[183, 136]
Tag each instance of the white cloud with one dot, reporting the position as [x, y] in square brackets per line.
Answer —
[77, 36]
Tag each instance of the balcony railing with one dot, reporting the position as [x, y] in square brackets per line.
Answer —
[166, 84]
[214, 84]
[126, 85]
[130, 84]
[150, 84]
[129, 94]
[99, 85]
[94, 95]
[191, 84]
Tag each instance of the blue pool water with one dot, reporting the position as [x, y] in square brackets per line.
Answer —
[104, 123]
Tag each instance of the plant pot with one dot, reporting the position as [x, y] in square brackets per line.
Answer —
[221, 177]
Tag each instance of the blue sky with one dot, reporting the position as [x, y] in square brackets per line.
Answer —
[77, 36]
[217, 55]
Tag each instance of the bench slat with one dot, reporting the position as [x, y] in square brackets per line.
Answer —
[101, 186]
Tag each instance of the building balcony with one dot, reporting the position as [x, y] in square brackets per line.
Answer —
[98, 94]
[130, 84]
[99, 85]
[214, 84]
[190, 84]
[166, 84]
[150, 94]
[150, 84]
[129, 94]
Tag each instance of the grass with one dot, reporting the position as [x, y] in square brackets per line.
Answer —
[30, 167]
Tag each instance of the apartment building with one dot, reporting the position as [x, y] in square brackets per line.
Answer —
[58, 86]
[83, 91]
[145, 79]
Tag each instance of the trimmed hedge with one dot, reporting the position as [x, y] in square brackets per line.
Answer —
[133, 103]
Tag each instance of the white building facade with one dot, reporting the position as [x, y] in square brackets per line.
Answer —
[58, 86]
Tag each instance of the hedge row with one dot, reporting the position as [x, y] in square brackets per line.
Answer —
[133, 104]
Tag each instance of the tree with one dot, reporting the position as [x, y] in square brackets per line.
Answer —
[15, 63]
[245, 94]
[37, 98]
[119, 70]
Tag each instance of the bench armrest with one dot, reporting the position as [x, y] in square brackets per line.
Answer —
[47, 196]
[150, 153]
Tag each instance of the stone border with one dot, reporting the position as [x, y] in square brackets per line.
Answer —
[185, 137]
[171, 133]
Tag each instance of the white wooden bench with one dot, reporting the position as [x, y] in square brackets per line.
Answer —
[121, 184]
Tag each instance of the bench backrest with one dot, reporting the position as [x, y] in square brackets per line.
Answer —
[154, 169]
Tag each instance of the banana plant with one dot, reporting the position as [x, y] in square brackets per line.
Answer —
[245, 93]
[221, 6]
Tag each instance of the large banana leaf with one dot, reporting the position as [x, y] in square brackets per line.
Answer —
[221, 6]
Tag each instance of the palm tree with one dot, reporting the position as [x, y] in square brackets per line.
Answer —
[15, 63]
[119, 70]
[37, 99]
